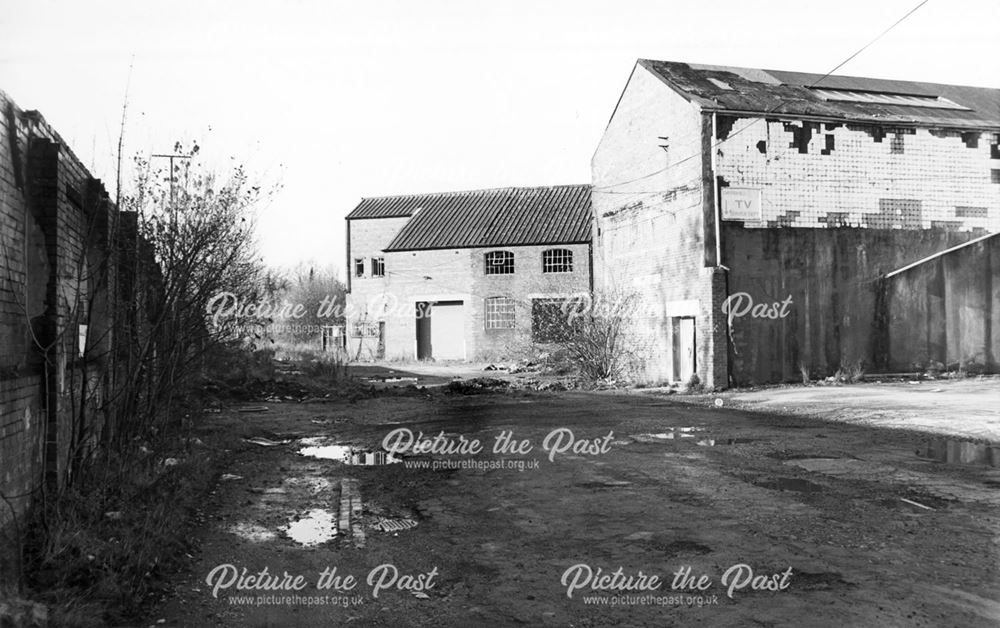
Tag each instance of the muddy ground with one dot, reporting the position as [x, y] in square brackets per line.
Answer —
[873, 533]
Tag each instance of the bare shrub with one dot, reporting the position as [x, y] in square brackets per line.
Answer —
[598, 342]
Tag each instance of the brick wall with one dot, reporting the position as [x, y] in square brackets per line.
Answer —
[452, 275]
[654, 228]
[651, 236]
[56, 225]
[814, 174]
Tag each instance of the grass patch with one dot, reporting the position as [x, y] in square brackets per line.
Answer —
[102, 551]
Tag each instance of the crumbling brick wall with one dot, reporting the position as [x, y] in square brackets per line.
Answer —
[58, 272]
[822, 174]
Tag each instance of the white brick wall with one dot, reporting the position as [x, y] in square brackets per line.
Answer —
[944, 179]
[450, 275]
[648, 209]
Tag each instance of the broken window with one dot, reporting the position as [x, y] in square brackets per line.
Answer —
[364, 329]
[378, 267]
[359, 267]
[499, 313]
[499, 263]
[331, 337]
[554, 320]
[557, 261]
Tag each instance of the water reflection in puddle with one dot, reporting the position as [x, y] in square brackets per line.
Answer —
[345, 453]
[673, 433]
[790, 484]
[716, 442]
[317, 526]
[961, 452]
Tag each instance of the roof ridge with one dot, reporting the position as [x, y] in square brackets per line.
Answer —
[473, 191]
[724, 67]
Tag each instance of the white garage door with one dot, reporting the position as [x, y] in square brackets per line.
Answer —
[448, 331]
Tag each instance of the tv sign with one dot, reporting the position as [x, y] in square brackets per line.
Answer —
[741, 204]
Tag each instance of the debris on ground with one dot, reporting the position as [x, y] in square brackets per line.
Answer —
[264, 442]
[477, 385]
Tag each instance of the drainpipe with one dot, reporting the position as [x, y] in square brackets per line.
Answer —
[715, 195]
[717, 202]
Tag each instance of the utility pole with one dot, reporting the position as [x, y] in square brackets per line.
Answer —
[172, 157]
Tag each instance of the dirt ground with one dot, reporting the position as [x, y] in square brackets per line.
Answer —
[969, 408]
[873, 533]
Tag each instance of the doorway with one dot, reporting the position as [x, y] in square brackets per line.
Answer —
[440, 330]
[684, 352]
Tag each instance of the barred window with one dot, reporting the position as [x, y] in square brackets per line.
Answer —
[499, 313]
[499, 263]
[378, 267]
[364, 329]
[557, 261]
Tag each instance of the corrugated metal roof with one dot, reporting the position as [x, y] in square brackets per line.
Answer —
[385, 207]
[788, 93]
[477, 218]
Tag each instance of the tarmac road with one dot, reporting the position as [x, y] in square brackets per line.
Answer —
[665, 514]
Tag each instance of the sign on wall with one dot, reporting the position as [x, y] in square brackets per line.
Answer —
[741, 204]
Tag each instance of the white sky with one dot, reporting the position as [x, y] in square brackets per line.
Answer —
[340, 100]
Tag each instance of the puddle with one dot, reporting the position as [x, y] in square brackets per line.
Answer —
[673, 433]
[961, 452]
[252, 532]
[316, 527]
[345, 453]
[717, 442]
[790, 484]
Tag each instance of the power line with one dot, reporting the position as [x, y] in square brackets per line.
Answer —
[603, 188]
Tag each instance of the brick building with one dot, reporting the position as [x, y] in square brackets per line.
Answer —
[726, 195]
[68, 260]
[464, 275]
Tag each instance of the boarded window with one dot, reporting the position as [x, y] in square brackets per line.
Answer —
[499, 263]
[557, 261]
[499, 313]
[378, 267]
[554, 320]
[359, 267]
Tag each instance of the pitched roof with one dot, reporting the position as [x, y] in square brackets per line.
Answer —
[477, 218]
[755, 91]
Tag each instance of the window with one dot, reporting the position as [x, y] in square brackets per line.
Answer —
[359, 267]
[896, 144]
[378, 267]
[881, 98]
[557, 261]
[499, 263]
[499, 313]
[364, 329]
[554, 320]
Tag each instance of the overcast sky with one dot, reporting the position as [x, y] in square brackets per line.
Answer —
[340, 100]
